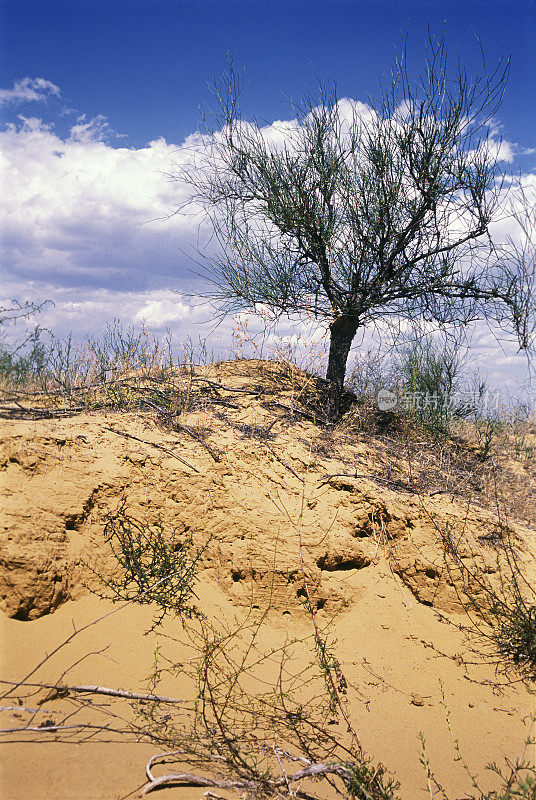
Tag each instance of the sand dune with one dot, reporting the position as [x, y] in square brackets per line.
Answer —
[285, 508]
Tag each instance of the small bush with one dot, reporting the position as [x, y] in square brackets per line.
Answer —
[514, 631]
[368, 377]
[510, 613]
[368, 782]
[22, 357]
[486, 429]
[430, 374]
[155, 567]
[121, 349]
[23, 363]
[519, 784]
[502, 610]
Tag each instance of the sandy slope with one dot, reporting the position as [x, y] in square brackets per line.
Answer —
[370, 555]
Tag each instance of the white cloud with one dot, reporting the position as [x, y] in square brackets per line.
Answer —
[94, 130]
[78, 210]
[159, 313]
[81, 210]
[501, 149]
[29, 90]
[86, 311]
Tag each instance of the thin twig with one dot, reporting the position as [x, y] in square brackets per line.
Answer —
[44, 413]
[282, 461]
[53, 728]
[307, 414]
[396, 483]
[83, 628]
[185, 429]
[153, 444]
[217, 385]
[289, 790]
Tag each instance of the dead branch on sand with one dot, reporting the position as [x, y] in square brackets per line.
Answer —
[62, 690]
[188, 779]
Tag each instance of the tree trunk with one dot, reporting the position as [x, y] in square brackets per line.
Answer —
[342, 333]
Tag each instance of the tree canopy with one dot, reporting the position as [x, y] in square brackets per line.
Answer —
[357, 213]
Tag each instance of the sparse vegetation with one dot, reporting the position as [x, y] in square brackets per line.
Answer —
[499, 600]
[24, 357]
[429, 374]
[155, 566]
[259, 708]
[124, 369]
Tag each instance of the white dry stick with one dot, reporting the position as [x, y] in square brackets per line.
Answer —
[156, 758]
[289, 790]
[187, 779]
[64, 689]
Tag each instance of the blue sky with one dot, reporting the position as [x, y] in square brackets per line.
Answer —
[146, 64]
[97, 99]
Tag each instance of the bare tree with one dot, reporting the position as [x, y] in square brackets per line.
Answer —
[357, 214]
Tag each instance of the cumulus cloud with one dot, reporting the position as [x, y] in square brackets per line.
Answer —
[81, 211]
[161, 312]
[29, 90]
[84, 311]
[96, 129]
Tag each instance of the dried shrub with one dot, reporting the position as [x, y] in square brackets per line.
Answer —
[155, 566]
